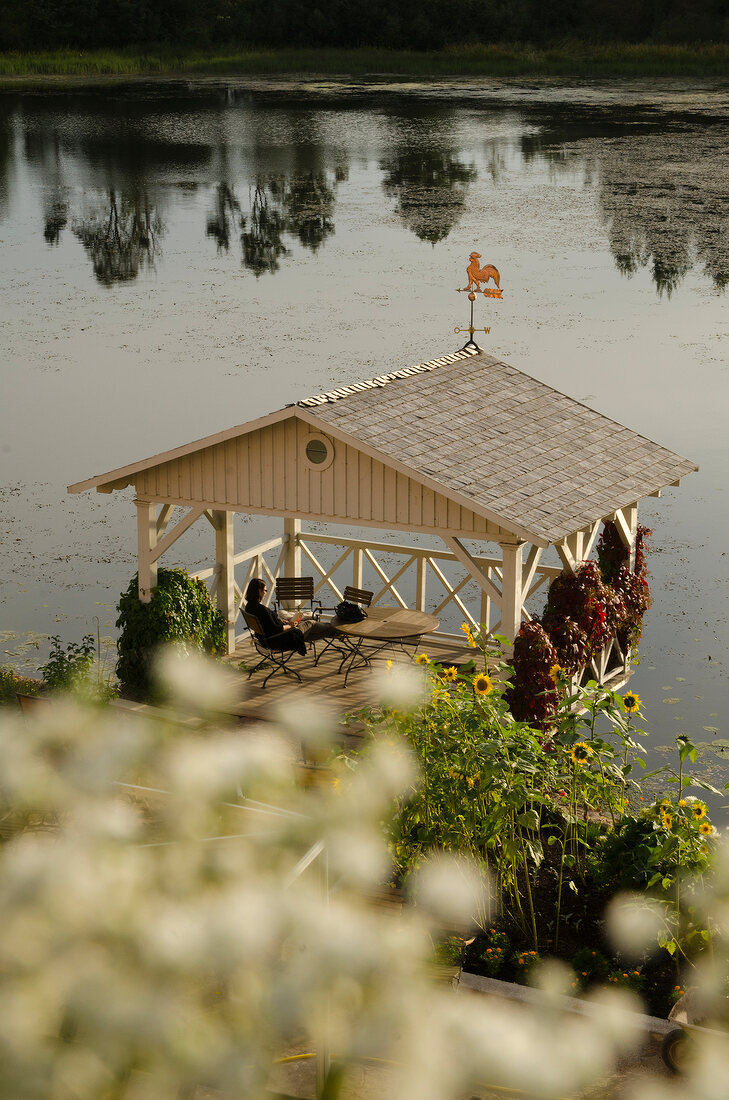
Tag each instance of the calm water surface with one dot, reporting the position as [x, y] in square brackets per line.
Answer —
[178, 258]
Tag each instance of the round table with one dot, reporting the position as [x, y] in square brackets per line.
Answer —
[383, 625]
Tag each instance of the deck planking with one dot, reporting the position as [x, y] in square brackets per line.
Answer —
[322, 683]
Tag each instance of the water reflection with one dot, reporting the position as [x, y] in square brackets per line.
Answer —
[262, 234]
[120, 235]
[300, 206]
[55, 218]
[667, 212]
[222, 220]
[275, 170]
[6, 142]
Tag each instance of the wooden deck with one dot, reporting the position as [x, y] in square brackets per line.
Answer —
[322, 683]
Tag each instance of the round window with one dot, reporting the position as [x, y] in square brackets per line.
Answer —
[318, 452]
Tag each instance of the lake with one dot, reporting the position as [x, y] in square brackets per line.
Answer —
[179, 257]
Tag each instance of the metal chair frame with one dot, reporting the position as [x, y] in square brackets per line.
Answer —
[279, 657]
[361, 596]
[299, 590]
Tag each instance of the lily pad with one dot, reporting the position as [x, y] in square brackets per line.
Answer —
[712, 729]
[672, 701]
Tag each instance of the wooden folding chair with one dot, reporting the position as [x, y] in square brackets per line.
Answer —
[359, 596]
[279, 657]
[298, 590]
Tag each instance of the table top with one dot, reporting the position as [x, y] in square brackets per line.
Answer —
[389, 624]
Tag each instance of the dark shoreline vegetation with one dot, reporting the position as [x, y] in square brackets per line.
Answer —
[566, 59]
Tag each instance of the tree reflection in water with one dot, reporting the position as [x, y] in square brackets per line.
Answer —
[430, 187]
[646, 229]
[6, 150]
[55, 218]
[261, 241]
[222, 220]
[300, 206]
[122, 238]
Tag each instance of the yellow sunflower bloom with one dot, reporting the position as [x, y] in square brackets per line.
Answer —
[555, 672]
[631, 702]
[706, 828]
[580, 752]
[483, 684]
[698, 810]
[667, 822]
[422, 659]
[682, 802]
[451, 673]
[665, 803]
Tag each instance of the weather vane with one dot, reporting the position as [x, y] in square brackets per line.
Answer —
[476, 276]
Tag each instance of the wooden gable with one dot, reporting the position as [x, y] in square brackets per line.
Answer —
[265, 471]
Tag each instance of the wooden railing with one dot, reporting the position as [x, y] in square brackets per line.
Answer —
[610, 667]
[408, 581]
[415, 566]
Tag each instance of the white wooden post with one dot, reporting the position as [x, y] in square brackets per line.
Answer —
[576, 545]
[420, 581]
[626, 521]
[357, 558]
[486, 603]
[631, 518]
[146, 543]
[292, 559]
[511, 589]
[225, 582]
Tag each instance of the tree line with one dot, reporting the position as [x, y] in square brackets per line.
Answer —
[407, 24]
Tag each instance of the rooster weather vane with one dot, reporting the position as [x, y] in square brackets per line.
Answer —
[476, 276]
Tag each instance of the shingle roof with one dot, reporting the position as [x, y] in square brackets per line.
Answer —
[510, 443]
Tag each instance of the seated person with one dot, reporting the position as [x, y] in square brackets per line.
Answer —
[299, 629]
[278, 634]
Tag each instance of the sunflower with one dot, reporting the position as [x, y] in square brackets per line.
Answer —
[555, 673]
[469, 635]
[580, 752]
[667, 821]
[483, 684]
[631, 702]
[698, 810]
[422, 659]
[706, 828]
[450, 673]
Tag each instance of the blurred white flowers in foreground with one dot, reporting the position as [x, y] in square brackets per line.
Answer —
[178, 909]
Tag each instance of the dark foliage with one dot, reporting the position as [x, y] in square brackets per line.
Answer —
[66, 666]
[180, 611]
[583, 612]
[532, 696]
[411, 24]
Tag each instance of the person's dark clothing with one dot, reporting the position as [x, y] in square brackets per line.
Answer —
[273, 629]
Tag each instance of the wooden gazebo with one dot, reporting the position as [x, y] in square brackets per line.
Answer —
[464, 447]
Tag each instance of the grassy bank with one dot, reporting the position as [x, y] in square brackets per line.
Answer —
[573, 59]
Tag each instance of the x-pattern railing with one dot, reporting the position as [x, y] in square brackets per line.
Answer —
[266, 560]
[357, 557]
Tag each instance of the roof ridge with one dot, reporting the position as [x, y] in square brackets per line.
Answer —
[384, 379]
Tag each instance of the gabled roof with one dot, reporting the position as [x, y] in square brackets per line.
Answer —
[515, 449]
[513, 445]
